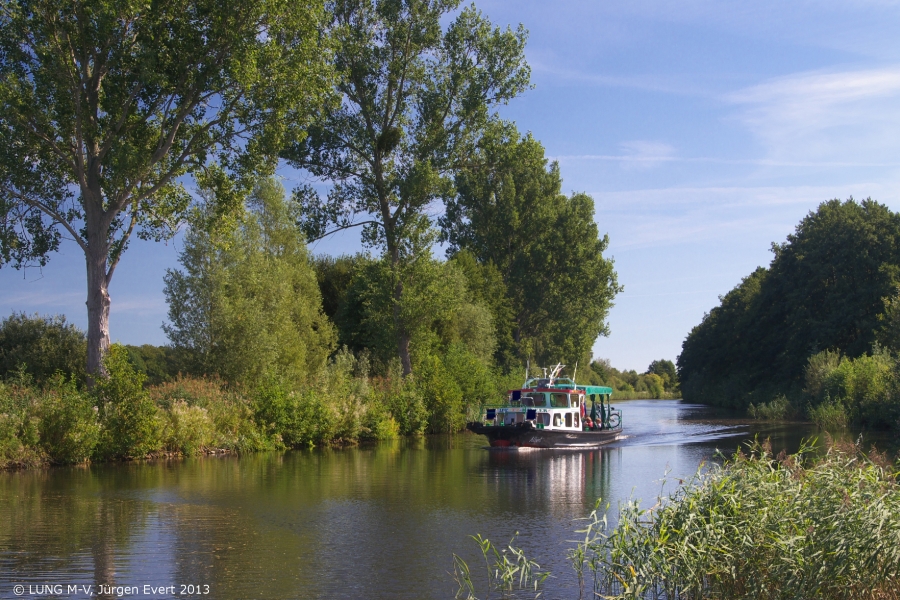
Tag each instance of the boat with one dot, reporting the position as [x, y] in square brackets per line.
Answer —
[551, 412]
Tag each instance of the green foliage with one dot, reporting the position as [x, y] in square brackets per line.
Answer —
[865, 388]
[130, 420]
[665, 369]
[631, 384]
[158, 363]
[403, 400]
[488, 291]
[334, 276]
[759, 527]
[830, 415]
[44, 345]
[246, 302]
[231, 414]
[508, 571]
[19, 434]
[436, 311]
[774, 410]
[69, 425]
[107, 123]
[188, 430]
[825, 288]
[819, 366]
[509, 212]
[418, 82]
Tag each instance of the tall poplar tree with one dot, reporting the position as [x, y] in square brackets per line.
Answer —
[413, 94]
[509, 212]
[106, 104]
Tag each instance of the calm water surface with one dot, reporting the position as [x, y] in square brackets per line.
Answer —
[370, 522]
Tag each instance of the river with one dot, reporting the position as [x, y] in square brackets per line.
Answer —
[369, 522]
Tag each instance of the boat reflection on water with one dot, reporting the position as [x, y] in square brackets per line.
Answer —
[550, 480]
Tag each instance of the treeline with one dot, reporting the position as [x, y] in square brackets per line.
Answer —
[660, 380]
[271, 347]
[389, 112]
[816, 333]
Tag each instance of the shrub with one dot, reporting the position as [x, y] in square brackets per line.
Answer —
[818, 368]
[69, 425]
[231, 412]
[774, 410]
[829, 415]
[188, 429]
[131, 426]
[402, 399]
[18, 428]
[44, 345]
[863, 386]
[442, 395]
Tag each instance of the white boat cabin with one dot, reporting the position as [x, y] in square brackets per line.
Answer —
[555, 408]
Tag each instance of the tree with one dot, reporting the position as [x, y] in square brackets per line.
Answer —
[246, 303]
[105, 105]
[508, 211]
[665, 369]
[824, 290]
[435, 308]
[43, 345]
[413, 95]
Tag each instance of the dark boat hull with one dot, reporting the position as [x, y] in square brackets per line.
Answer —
[526, 436]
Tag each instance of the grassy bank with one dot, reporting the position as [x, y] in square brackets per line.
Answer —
[61, 422]
[758, 527]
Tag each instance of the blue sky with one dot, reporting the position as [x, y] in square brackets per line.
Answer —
[704, 130]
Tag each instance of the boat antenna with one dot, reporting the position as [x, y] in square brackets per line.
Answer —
[574, 372]
[555, 371]
[527, 368]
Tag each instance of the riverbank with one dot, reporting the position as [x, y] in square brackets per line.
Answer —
[62, 423]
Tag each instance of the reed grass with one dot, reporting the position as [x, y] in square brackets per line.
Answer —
[758, 527]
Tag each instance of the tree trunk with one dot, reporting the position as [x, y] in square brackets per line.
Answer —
[98, 313]
[399, 325]
[402, 335]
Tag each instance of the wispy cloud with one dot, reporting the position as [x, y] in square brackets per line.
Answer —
[646, 154]
[839, 116]
[551, 67]
[687, 216]
[42, 298]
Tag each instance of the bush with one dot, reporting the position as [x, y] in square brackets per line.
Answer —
[18, 428]
[818, 368]
[44, 345]
[402, 399]
[863, 386]
[775, 410]
[442, 395]
[131, 427]
[69, 425]
[829, 415]
[188, 430]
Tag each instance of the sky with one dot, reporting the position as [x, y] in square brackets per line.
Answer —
[704, 130]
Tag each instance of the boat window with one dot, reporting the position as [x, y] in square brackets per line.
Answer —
[545, 418]
[533, 400]
[576, 420]
[557, 420]
[568, 419]
[573, 400]
[559, 400]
